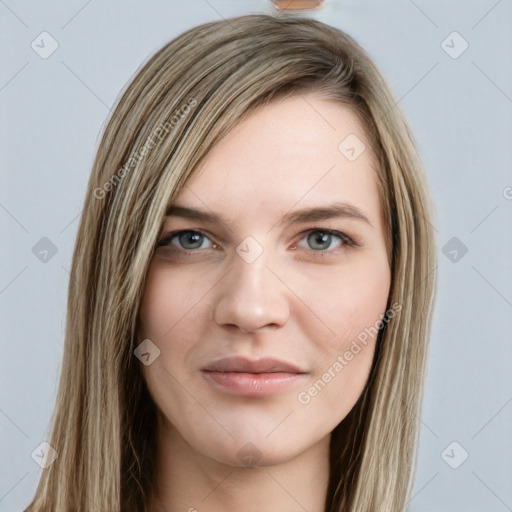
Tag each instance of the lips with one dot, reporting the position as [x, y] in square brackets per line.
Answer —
[253, 378]
[241, 365]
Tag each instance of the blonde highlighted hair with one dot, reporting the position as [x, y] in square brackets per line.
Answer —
[178, 107]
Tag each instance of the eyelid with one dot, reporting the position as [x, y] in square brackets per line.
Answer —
[219, 238]
[346, 240]
[166, 239]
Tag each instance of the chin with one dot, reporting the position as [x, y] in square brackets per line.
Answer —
[251, 455]
[256, 449]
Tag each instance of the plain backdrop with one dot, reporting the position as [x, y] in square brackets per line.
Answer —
[449, 65]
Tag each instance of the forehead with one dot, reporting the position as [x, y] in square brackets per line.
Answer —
[301, 151]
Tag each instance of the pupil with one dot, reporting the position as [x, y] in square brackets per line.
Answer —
[191, 240]
[319, 240]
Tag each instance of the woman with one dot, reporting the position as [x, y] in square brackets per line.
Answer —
[251, 289]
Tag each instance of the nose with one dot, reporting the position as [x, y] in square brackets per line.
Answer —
[251, 297]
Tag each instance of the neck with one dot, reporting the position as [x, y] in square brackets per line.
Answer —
[189, 481]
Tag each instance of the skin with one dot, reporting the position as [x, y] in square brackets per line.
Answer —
[303, 300]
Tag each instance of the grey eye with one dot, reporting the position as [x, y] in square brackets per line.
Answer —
[190, 240]
[319, 240]
[323, 239]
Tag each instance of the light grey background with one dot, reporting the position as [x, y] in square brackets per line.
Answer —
[460, 110]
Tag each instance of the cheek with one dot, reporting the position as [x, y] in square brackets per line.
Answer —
[343, 302]
[365, 301]
[362, 306]
[171, 298]
[352, 303]
[170, 305]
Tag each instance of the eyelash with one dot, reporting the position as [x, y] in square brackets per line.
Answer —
[345, 240]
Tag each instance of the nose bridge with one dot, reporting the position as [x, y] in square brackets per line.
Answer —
[251, 297]
[250, 277]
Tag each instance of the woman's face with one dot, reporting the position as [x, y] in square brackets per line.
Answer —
[264, 292]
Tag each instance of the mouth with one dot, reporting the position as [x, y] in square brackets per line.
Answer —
[253, 378]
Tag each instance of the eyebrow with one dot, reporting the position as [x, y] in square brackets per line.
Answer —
[325, 212]
[335, 210]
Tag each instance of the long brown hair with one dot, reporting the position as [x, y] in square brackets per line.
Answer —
[174, 111]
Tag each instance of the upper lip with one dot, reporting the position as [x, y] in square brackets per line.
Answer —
[244, 365]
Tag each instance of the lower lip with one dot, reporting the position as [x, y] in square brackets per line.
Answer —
[254, 384]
